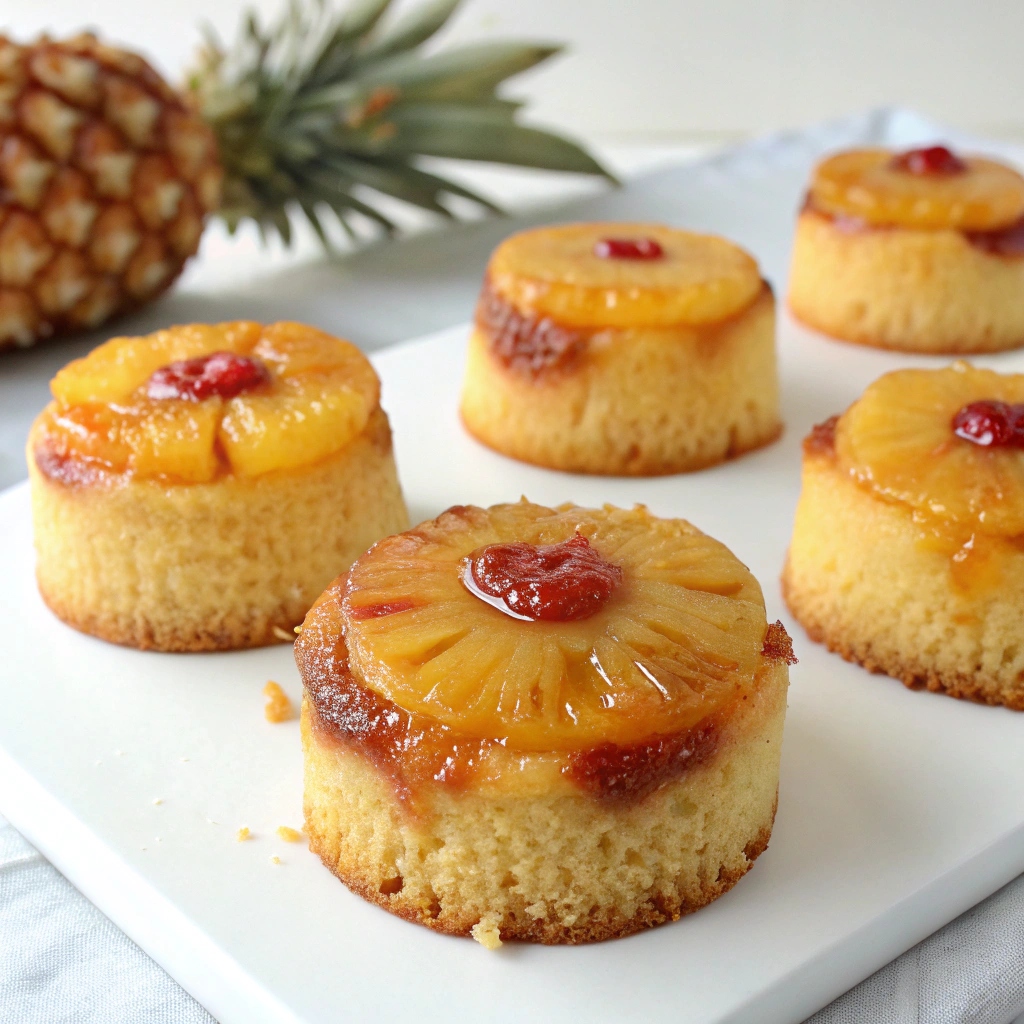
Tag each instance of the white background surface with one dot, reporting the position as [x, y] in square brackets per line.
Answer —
[898, 810]
[679, 68]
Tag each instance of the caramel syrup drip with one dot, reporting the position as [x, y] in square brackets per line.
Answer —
[526, 343]
[68, 468]
[1008, 241]
[409, 749]
[822, 438]
[629, 773]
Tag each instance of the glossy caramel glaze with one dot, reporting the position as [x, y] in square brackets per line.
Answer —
[624, 773]
[409, 749]
[412, 750]
[1008, 241]
[525, 343]
[65, 465]
[69, 468]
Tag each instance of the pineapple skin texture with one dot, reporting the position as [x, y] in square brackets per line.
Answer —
[211, 566]
[910, 289]
[640, 401]
[866, 578]
[108, 178]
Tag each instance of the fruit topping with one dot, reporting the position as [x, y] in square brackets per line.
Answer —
[898, 440]
[991, 424]
[628, 249]
[929, 160]
[218, 375]
[116, 369]
[681, 638]
[190, 402]
[562, 582]
[874, 187]
[560, 275]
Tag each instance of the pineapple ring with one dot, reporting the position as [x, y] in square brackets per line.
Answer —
[679, 639]
[898, 439]
[555, 272]
[863, 183]
[320, 395]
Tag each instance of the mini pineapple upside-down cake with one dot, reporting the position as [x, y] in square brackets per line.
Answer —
[622, 349]
[196, 489]
[558, 725]
[906, 553]
[921, 251]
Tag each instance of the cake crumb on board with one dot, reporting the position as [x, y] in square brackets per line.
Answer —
[486, 932]
[242, 834]
[288, 834]
[278, 707]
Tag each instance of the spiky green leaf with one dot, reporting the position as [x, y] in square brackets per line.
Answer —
[468, 132]
[317, 106]
[409, 32]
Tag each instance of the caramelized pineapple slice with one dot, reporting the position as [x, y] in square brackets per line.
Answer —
[304, 418]
[288, 349]
[114, 370]
[174, 441]
[678, 639]
[899, 440]
[556, 272]
[308, 395]
[867, 185]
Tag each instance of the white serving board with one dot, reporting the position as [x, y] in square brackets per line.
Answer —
[897, 810]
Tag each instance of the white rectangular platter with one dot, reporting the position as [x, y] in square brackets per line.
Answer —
[132, 771]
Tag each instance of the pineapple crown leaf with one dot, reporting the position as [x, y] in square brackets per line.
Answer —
[406, 34]
[322, 114]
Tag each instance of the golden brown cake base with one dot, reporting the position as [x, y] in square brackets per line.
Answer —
[200, 567]
[912, 290]
[541, 860]
[638, 402]
[881, 590]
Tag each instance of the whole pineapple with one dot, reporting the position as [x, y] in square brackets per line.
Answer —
[108, 174]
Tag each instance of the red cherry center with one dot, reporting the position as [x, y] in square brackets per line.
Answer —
[553, 582]
[991, 424]
[628, 249]
[220, 374]
[937, 160]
